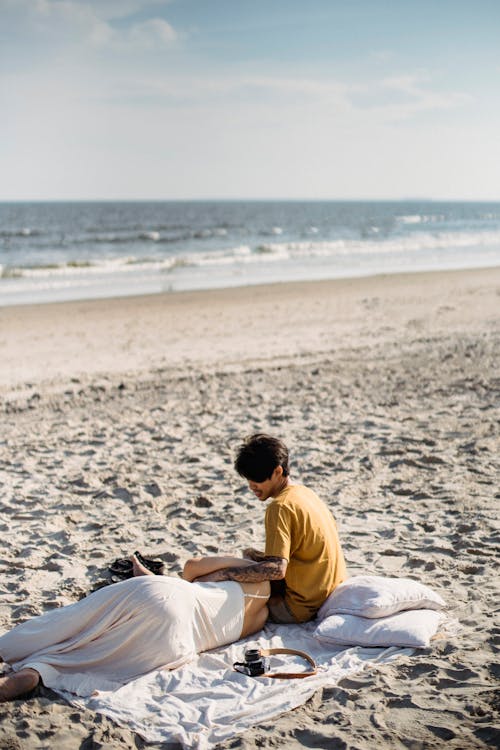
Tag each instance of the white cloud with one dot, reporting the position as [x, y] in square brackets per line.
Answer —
[263, 90]
[46, 21]
[382, 55]
[402, 97]
[414, 86]
[50, 31]
[390, 100]
[46, 27]
[150, 33]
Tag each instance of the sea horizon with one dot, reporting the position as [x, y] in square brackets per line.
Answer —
[11, 201]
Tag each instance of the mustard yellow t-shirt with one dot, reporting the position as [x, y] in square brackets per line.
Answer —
[301, 529]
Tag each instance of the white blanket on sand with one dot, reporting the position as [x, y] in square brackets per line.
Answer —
[206, 701]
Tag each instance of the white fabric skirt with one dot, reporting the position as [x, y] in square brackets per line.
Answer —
[122, 631]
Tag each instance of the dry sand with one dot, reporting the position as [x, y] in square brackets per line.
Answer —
[119, 422]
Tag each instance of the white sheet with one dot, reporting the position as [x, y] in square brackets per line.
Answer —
[206, 702]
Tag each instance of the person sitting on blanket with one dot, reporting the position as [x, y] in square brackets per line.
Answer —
[303, 558]
[127, 629]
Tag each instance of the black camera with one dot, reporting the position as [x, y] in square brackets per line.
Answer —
[254, 665]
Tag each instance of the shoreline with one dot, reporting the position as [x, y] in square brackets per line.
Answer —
[55, 342]
[230, 290]
[235, 287]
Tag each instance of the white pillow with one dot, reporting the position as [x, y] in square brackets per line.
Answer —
[412, 629]
[377, 596]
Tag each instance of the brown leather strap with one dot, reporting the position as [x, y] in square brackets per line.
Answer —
[289, 675]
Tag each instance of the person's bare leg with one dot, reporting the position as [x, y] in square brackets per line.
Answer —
[256, 555]
[17, 683]
[139, 569]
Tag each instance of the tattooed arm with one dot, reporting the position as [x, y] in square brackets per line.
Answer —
[270, 569]
[202, 568]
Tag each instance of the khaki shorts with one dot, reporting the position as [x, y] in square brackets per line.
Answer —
[279, 612]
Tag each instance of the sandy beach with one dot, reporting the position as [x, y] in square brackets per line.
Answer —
[120, 419]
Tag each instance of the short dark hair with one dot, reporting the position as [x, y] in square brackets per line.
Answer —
[259, 455]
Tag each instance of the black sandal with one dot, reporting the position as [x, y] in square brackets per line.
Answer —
[123, 568]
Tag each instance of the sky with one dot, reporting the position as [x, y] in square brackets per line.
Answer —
[249, 99]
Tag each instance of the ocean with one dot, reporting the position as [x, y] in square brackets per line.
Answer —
[52, 252]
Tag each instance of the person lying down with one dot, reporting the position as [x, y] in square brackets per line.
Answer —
[122, 631]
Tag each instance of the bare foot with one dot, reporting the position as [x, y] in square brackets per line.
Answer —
[18, 683]
[139, 569]
[253, 554]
